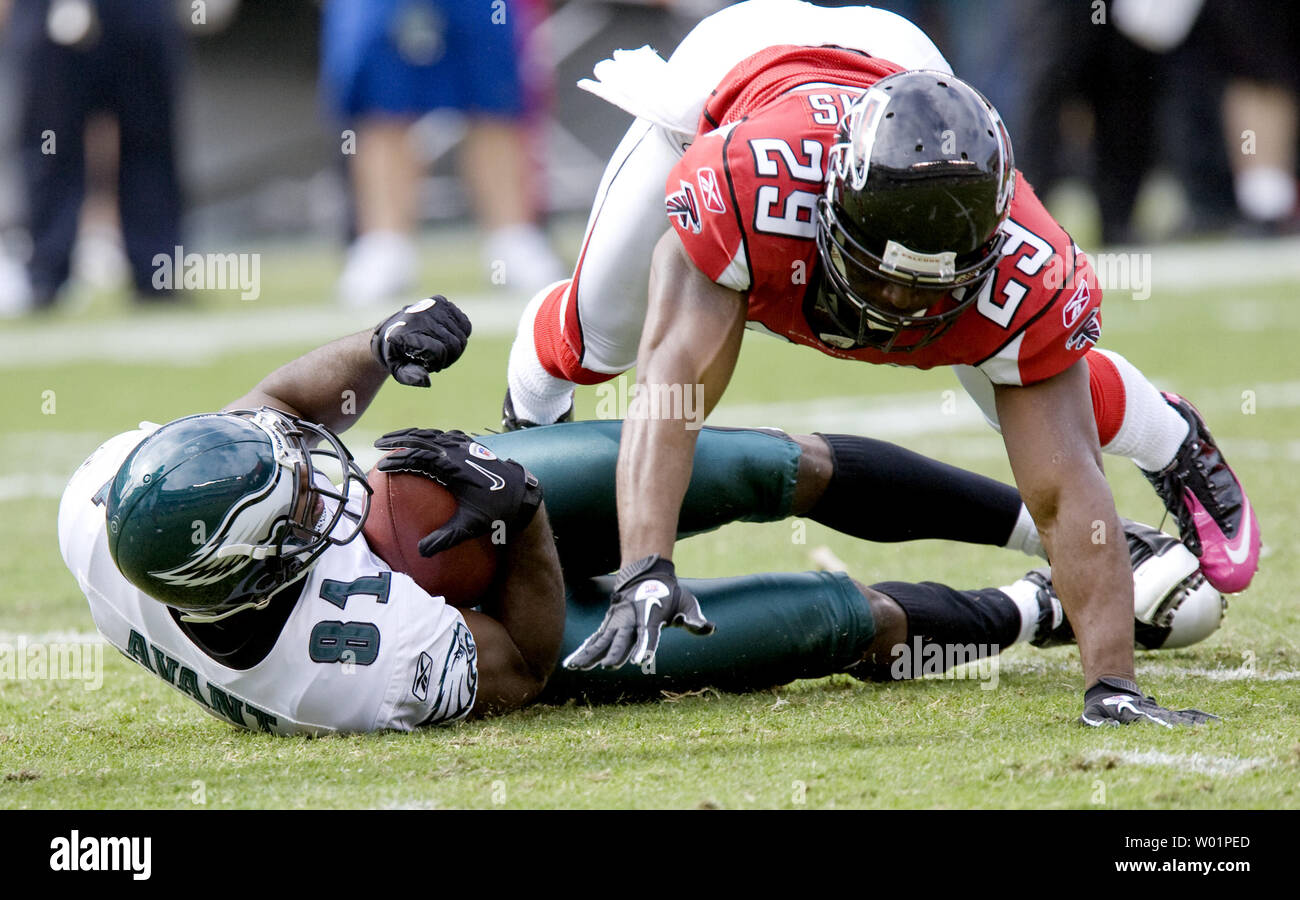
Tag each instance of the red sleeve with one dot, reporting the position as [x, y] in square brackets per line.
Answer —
[1068, 330]
[1059, 318]
[700, 203]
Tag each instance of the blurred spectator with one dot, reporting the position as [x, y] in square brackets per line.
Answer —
[1255, 46]
[1143, 82]
[387, 62]
[80, 61]
[1086, 85]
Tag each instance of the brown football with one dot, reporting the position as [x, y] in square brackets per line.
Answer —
[405, 507]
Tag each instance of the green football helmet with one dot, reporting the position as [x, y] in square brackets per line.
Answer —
[216, 513]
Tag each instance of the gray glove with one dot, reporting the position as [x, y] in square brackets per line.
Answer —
[1117, 701]
[646, 598]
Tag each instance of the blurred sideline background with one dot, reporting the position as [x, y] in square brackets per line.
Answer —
[1139, 121]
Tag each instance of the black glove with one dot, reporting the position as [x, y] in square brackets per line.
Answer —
[646, 598]
[487, 489]
[425, 337]
[1117, 701]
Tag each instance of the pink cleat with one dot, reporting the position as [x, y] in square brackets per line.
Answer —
[1215, 518]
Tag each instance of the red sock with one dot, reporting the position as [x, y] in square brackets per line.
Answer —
[554, 352]
[1108, 400]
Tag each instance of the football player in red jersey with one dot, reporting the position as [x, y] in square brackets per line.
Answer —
[897, 190]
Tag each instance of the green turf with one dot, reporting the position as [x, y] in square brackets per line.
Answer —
[831, 743]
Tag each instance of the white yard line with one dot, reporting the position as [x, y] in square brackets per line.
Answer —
[1197, 763]
[181, 338]
[1243, 673]
[23, 487]
[1199, 266]
[883, 416]
[1037, 664]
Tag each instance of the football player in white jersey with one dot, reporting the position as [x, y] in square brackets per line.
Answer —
[275, 614]
[218, 557]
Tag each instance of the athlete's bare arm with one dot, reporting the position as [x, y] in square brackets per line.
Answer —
[332, 385]
[519, 631]
[1051, 440]
[692, 336]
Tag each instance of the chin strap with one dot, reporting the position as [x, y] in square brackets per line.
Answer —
[205, 618]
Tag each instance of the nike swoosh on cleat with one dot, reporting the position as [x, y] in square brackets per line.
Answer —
[1238, 554]
[1227, 568]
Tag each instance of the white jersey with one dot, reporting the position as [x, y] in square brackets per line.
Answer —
[365, 648]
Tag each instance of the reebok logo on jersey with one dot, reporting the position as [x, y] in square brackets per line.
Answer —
[423, 671]
[684, 208]
[1075, 306]
[709, 191]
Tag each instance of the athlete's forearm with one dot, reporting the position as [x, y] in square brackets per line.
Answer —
[655, 458]
[1051, 443]
[332, 385]
[1092, 574]
[530, 602]
[688, 348]
[517, 635]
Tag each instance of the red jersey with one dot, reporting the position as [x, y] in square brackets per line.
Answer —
[743, 200]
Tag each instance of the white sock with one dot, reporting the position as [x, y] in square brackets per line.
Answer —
[1024, 594]
[537, 395]
[1025, 537]
[1265, 193]
[1152, 430]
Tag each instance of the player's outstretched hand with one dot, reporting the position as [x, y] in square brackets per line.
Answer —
[1116, 701]
[646, 598]
[424, 337]
[487, 489]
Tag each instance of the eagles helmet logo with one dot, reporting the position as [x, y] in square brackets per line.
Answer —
[241, 534]
[251, 471]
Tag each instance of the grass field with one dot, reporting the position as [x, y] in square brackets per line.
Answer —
[1228, 343]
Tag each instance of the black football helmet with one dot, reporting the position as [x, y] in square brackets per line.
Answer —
[919, 181]
[216, 513]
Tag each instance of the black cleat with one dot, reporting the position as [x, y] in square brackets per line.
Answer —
[1172, 604]
[511, 422]
[1054, 628]
[1215, 518]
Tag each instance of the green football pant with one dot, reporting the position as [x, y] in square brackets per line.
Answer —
[739, 475]
[771, 629]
